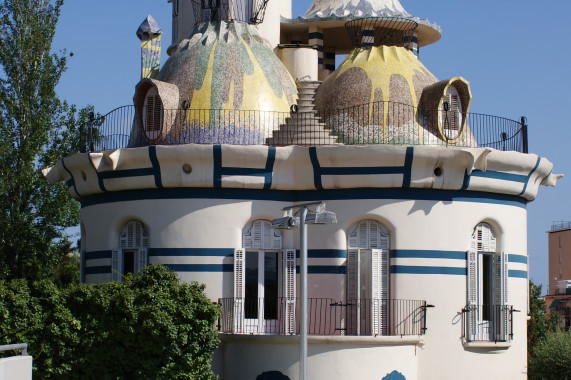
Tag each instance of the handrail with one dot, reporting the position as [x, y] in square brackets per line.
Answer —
[13, 347]
[368, 124]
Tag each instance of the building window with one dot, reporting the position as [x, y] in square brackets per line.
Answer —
[264, 282]
[132, 255]
[451, 114]
[153, 114]
[368, 279]
[487, 288]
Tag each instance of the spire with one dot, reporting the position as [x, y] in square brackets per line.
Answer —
[150, 35]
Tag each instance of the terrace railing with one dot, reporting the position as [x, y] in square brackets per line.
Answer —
[487, 323]
[374, 123]
[325, 317]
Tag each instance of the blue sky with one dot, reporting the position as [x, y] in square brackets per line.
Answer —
[515, 54]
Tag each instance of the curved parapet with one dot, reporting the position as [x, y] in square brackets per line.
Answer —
[463, 171]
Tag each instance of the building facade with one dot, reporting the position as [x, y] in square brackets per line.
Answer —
[558, 298]
[425, 274]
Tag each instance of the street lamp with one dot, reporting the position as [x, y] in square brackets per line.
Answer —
[289, 221]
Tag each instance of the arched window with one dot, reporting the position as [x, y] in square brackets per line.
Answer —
[487, 287]
[153, 114]
[368, 278]
[132, 255]
[451, 114]
[257, 279]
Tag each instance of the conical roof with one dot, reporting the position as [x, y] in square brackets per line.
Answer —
[148, 27]
[356, 8]
[348, 10]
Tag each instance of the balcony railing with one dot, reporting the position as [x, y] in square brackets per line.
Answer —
[560, 225]
[487, 323]
[325, 317]
[374, 123]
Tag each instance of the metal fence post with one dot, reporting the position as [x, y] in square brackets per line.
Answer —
[524, 133]
[90, 133]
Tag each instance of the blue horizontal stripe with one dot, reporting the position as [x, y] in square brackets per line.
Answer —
[517, 259]
[304, 195]
[368, 32]
[106, 269]
[326, 269]
[324, 253]
[217, 268]
[420, 254]
[500, 175]
[127, 173]
[94, 255]
[315, 35]
[244, 171]
[362, 170]
[517, 274]
[191, 252]
[405, 269]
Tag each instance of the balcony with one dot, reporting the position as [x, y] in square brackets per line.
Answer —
[487, 323]
[369, 124]
[326, 317]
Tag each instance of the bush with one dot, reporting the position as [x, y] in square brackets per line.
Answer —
[148, 327]
[552, 358]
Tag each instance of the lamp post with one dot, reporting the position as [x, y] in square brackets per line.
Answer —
[289, 221]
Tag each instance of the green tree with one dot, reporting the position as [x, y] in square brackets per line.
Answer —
[36, 129]
[540, 322]
[552, 357]
[147, 327]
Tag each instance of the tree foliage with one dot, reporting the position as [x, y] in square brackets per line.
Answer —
[148, 327]
[552, 357]
[36, 129]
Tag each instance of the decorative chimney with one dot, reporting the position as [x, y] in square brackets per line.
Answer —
[150, 35]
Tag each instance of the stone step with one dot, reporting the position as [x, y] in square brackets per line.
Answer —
[302, 141]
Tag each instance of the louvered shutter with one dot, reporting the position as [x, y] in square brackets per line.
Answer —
[353, 303]
[376, 292]
[454, 116]
[472, 287]
[239, 289]
[374, 236]
[289, 291]
[141, 260]
[363, 230]
[267, 242]
[116, 265]
[257, 234]
[500, 274]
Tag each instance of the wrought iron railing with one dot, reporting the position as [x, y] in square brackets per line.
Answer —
[487, 323]
[374, 123]
[325, 317]
[560, 225]
[251, 12]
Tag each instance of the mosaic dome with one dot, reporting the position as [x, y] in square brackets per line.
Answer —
[378, 91]
[230, 86]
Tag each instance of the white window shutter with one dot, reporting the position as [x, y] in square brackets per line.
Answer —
[363, 235]
[500, 271]
[374, 235]
[472, 291]
[141, 260]
[353, 292]
[116, 267]
[289, 278]
[376, 292]
[239, 289]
